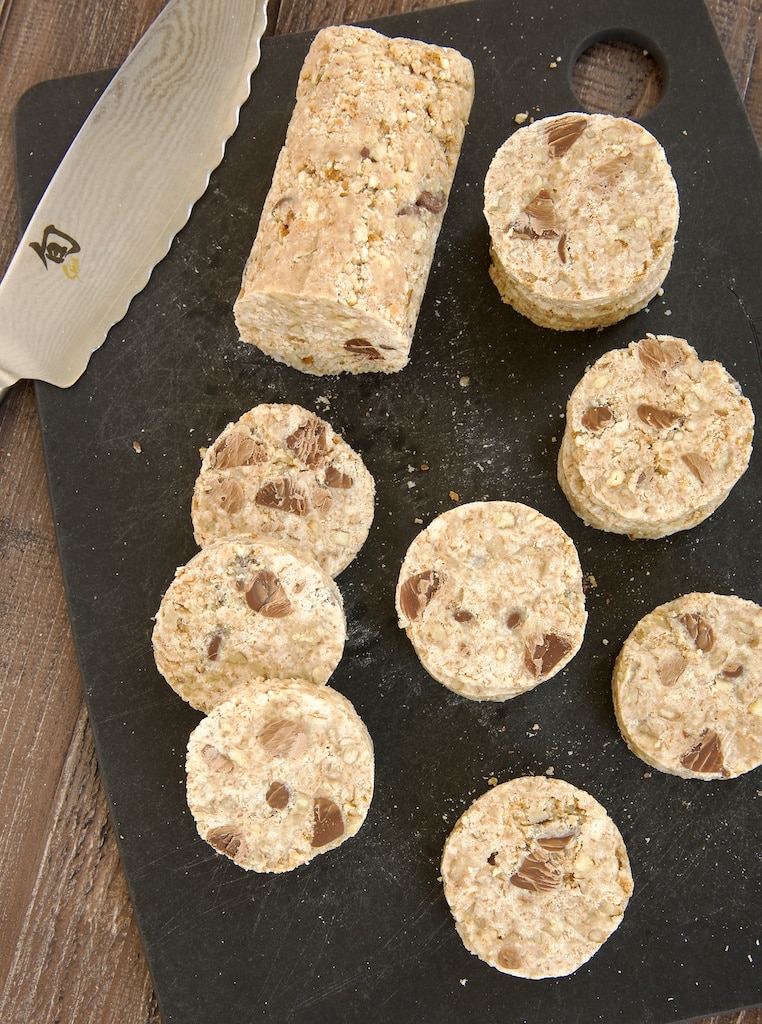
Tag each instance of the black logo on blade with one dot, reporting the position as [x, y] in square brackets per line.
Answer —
[55, 247]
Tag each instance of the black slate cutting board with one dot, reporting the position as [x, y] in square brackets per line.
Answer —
[364, 933]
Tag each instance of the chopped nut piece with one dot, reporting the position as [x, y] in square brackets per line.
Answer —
[537, 873]
[509, 957]
[699, 630]
[337, 479]
[659, 419]
[705, 756]
[226, 839]
[278, 795]
[563, 133]
[308, 442]
[284, 495]
[544, 654]
[584, 865]
[699, 466]
[596, 417]
[562, 250]
[283, 737]
[417, 591]
[615, 479]
[328, 823]
[668, 714]
[216, 760]
[349, 752]
[266, 595]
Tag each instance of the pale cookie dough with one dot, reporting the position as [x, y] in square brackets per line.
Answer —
[490, 594]
[687, 687]
[582, 212]
[654, 439]
[337, 271]
[279, 773]
[243, 608]
[281, 471]
[537, 877]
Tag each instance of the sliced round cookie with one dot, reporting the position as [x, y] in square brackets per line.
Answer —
[687, 687]
[278, 773]
[537, 877]
[281, 471]
[490, 595]
[242, 608]
[654, 439]
[582, 212]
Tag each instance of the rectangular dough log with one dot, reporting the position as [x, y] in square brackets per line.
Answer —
[337, 272]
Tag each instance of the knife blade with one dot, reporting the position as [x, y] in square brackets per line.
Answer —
[126, 186]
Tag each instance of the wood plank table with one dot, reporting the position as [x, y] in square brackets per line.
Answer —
[69, 947]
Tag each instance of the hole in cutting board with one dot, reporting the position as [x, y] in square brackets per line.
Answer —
[618, 73]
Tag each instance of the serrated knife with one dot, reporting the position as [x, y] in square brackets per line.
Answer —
[126, 186]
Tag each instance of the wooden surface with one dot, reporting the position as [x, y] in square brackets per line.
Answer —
[69, 948]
